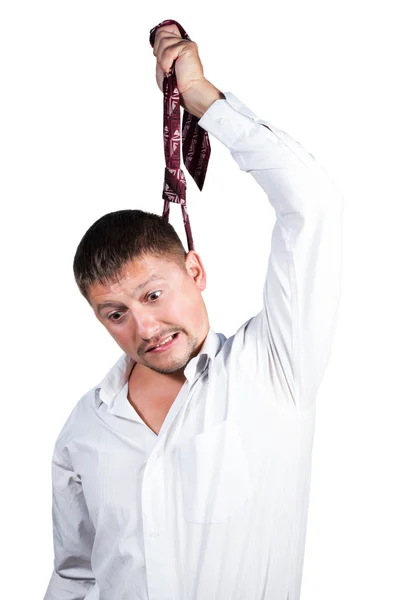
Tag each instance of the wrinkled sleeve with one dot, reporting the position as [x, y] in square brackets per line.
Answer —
[73, 535]
[291, 337]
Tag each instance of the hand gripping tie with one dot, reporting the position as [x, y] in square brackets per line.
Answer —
[196, 147]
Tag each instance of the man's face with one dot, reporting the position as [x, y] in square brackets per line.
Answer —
[139, 313]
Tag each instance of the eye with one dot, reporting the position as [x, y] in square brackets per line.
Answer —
[110, 317]
[152, 294]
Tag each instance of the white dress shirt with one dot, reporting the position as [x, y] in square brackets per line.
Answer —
[214, 507]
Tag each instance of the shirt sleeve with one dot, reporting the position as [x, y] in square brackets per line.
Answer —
[73, 536]
[301, 291]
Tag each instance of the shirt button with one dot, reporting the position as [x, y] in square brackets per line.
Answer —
[223, 121]
[153, 457]
[154, 532]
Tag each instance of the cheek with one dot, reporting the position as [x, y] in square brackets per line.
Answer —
[122, 334]
[189, 308]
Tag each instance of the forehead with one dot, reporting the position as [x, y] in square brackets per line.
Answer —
[134, 276]
[144, 267]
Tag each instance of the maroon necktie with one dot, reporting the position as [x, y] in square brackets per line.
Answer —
[195, 144]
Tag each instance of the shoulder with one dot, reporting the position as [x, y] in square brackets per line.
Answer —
[79, 420]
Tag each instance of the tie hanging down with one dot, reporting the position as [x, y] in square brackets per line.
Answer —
[196, 147]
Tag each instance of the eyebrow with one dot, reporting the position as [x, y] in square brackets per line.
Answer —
[99, 307]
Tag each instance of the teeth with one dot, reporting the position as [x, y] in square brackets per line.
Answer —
[165, 341]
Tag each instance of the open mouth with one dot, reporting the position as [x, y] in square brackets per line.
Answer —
[166, 345]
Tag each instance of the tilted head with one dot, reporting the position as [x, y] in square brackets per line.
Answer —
[133, 270]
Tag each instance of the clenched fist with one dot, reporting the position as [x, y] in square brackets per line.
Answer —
[196, 92]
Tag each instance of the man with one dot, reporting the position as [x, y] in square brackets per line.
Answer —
[184, 474]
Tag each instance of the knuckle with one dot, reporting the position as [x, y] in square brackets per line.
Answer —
[163, 64]
[161, 43]
[175, 30]
[168, 30]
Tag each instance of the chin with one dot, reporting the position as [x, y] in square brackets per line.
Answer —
[169, 363]
[168, 368]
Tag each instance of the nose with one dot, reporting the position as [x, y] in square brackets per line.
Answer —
[146, 325]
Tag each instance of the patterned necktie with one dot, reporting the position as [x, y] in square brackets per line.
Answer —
[196, 147]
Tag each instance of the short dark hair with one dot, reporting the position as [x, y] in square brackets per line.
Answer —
[119, 237]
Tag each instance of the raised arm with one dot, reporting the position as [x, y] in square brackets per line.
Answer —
[73, 535]
[290, 339]
[302, 286]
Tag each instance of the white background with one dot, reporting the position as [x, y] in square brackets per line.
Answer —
[81, 135]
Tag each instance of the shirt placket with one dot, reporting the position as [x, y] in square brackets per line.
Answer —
[154, 528]
[158, 554]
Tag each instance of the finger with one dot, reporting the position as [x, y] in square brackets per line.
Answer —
[170, 51]
[163, 39]
[167, 42]
[165, 31]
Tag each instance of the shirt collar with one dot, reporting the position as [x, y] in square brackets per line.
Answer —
[117, 377]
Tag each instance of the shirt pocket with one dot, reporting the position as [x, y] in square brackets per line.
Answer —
[215, 474]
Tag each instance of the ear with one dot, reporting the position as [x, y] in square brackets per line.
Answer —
[196, 270]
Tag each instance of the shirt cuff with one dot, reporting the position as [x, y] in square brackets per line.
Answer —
[229, 119]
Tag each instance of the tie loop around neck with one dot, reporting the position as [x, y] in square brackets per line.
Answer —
[195, 140]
